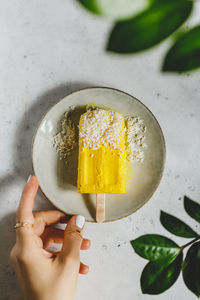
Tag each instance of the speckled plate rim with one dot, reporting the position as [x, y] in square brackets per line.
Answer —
[134, 99]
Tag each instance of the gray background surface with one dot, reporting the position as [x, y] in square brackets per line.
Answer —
[49, 49]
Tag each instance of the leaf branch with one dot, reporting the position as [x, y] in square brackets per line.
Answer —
[190, 243]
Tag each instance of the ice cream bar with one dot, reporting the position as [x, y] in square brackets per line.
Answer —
[101, 160]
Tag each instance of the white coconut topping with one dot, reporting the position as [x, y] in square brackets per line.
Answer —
[65, 140]
[101, 127]
[135, 130]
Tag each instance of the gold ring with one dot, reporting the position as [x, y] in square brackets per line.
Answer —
[23, 224]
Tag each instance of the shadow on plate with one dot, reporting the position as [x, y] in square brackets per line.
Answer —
[67, 169]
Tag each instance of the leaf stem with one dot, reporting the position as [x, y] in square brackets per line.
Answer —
[188, 244]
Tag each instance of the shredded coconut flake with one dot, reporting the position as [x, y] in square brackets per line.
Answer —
[135, 136]
[101, 127]
[65, 140]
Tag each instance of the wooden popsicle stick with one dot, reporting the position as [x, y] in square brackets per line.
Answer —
[100, 208]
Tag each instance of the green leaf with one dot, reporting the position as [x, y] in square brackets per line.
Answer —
[191, 269]
[156, 278]
[115, 9]
[192, 207]
[150, 27]
[156, 247]
[185, 53]
[176, 226]
[91, 5]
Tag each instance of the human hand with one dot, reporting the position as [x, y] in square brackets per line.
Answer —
[43, 275]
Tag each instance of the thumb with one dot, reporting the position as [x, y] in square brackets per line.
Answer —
[73, 240]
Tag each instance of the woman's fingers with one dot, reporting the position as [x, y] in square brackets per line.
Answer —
[49, 217]
[24, 212]
[55, 235]
[85, 244]
[84, 269]
[52, 235]
[70, 253]
[46, 218]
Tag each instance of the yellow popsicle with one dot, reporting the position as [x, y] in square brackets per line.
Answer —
[101, 165]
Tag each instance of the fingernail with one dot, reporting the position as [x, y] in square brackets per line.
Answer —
[80, 221]
[29, 178]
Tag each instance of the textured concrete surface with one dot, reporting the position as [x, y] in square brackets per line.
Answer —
[50, 48]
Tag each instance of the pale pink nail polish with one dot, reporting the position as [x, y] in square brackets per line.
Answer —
[80, 221]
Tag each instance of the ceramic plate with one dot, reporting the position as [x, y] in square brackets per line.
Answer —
[57, 179]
